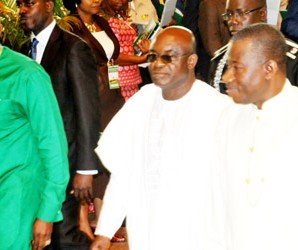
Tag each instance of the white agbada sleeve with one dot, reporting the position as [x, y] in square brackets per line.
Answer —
[114, 139]
[215, 211]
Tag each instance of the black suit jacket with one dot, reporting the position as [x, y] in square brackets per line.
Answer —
[71, 65]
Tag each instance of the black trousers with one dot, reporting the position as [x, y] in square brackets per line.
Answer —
[66, 234]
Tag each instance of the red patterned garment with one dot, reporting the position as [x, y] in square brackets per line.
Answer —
[129, 76]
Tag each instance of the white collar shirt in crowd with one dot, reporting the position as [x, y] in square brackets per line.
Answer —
[158, 152]
[106, 42]
[43, 38]
[257, 166]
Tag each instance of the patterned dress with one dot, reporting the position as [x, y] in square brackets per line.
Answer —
[129, 76]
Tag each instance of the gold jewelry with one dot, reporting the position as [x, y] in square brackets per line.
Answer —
[91, 27]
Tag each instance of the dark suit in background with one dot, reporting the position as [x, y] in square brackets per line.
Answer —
[191, 21]
[71, 65]
[213, 29]
[289, 26]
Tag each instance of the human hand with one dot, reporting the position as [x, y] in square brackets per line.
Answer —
[42, 232]
[144, 45]
[100, 243]
[135, 27]
[82, 187]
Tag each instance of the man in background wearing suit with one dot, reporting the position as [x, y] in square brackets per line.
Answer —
[71, 65]
[240, 14]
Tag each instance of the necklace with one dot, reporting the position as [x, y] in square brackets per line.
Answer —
[91, 27]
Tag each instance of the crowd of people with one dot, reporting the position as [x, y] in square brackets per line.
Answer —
[192, 137]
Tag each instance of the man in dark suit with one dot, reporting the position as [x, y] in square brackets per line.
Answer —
[71, 65]
[240, 14]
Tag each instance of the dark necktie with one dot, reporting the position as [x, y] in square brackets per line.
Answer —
[32, 52]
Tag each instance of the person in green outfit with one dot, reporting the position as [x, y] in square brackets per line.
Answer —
[33, 154]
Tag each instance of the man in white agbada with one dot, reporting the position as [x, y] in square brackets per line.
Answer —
[257, 144]
[157, 149]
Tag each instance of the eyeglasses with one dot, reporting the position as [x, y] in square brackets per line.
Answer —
[152, 57]
[238, 14]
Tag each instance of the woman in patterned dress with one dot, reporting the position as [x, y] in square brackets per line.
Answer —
[116, 12]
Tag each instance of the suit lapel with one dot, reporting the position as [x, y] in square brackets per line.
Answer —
[91, 40]
[52, 48]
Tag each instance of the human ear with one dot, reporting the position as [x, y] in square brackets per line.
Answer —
[270, 68]
[192, 61]
[263, 15]
[49, 5]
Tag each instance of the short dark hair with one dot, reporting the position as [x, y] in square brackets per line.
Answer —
[71, 4]
[267, 43]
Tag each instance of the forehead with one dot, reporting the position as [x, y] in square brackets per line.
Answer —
[35, 1]
[241, 51]
[240, 4]
[166, 42]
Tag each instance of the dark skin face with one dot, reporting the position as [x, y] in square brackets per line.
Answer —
[89, 7]
[35, 15]
[236, 24]
[248, 79]
[174, 78]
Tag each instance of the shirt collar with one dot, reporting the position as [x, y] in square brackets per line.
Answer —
[45, 34]
[277, 102]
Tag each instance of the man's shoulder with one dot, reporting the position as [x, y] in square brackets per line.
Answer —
[67, 36]
[21, 71]
[148, 90]
[208, 93]
[18, 60]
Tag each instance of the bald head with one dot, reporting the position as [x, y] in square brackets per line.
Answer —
[242, 2]
[182, 36]
[172, 61]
